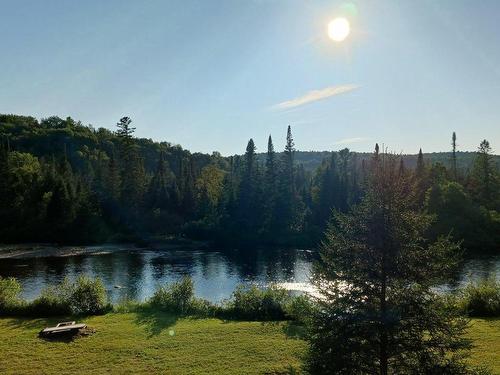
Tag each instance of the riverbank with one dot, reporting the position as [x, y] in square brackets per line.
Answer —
[159, 343]
[43, 250]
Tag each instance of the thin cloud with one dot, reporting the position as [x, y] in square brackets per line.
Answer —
[348, 141]
[315, 95]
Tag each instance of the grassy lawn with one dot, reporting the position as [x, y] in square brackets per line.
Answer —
[154, 343]
[131, 343]
[486, 336]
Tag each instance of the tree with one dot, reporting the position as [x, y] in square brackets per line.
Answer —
[421, 180]
[158, 192]
[378, 312]
[465, 220]
[247, 215]
[287, 203]
[485, 183]
[270, 189]
[113, 178]
[454, 155]
[132, 169]
[125, 131]
[420, 169]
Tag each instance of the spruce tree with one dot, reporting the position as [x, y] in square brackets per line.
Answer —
[270, 189]
[378, 312]
[113, 178]
[158, 192]
[421, 181]
[420, 169]
[287, 198]
[454, 155]
[485, 178]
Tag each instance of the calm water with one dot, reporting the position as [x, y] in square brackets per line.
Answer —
[136, 273]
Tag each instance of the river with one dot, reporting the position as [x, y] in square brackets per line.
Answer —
[136, 273]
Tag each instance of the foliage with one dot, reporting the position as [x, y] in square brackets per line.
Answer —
[87, 296]
[481, 299]
[84, 296]
[63, 182]
[253, 303]
[178, 298]
[9, 294]
[53, 300]
[378, 312]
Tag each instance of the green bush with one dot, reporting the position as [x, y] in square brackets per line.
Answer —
[299, 308]
[252, 303]
[9, 295]
[178, 298]
[54, 300]
[481, 299]
[87, 296]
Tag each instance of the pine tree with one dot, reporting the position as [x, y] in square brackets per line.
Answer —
[420, 169]
[421, 180]
[247, 192]
[270, 189]
[486, 184]
[378, 313]
[125, 131]
[287, 203]
[402, 169]
[113, 178]
[158, 192]
[454, 155]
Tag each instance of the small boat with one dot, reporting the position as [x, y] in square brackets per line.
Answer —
[64, 327]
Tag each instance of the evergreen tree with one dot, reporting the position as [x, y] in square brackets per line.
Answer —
[454, 156]
[133, 178]
[113, 178]
[287, 204]
[421, 180]
[420, 169]
[125, 131]
[247, 211]
[270, 190]
[158, 192]
[485, 181]
[378, 312]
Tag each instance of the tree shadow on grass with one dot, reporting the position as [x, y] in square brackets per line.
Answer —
[295, 330]
[36, 325]
[155, 320]
[28, 323]
[292, 329]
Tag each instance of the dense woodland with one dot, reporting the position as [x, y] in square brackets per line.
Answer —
[65, 182]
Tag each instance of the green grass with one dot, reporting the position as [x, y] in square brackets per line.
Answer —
[485, 334]
[153, 343]
[150, 344]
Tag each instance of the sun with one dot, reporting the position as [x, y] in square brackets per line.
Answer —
[339, 29]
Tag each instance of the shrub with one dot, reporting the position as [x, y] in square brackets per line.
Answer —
[299, 308]
[175, 298]
[54, 300]
[84, 296]
[87, 296]
[253, 303]
[9, 295]
[481, 299]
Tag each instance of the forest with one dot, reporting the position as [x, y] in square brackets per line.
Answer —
[65, 182]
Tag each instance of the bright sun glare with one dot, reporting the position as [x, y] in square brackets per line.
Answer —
[339, 29]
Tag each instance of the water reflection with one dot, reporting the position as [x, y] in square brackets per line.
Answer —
[137, 273]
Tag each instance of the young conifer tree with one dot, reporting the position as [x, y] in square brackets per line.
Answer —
[378, 312]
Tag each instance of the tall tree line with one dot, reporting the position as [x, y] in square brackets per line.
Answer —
[62, 181]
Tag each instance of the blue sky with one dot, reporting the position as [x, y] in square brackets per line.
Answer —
[211, 74]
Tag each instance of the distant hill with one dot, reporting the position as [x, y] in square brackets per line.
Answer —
[312, 159]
